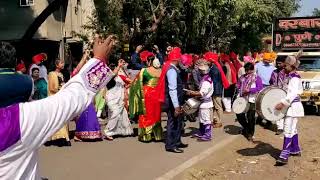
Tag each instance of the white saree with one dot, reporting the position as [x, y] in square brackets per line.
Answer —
[118, 120]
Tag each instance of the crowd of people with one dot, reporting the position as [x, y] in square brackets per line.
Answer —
[163, 84]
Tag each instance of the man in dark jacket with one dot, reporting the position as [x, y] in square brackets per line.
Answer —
[217, 96]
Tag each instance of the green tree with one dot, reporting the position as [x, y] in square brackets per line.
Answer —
[195, 25]
[316, 12]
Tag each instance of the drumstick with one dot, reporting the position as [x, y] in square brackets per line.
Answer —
[187, 90]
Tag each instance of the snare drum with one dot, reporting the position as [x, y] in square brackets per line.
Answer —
[191, 106]
[240, 105]
[266, 102]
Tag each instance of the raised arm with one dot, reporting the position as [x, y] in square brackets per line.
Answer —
[81, 63]
[41, 119]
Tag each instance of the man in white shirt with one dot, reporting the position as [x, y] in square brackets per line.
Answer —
[24, 127]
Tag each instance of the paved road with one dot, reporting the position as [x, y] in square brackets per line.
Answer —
[123, 158]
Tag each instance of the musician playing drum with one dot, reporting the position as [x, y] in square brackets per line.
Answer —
[249, 85]
[277, 79]
[294, 89]
[205, 111]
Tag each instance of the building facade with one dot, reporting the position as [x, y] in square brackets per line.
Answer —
[60, 28]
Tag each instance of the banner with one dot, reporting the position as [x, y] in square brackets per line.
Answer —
[296, 33]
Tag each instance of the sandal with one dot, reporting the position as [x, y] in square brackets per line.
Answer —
[110, 138]
[77, 139]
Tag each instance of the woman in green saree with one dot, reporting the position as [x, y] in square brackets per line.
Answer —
[143, 102]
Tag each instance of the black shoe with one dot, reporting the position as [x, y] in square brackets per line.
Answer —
[268, 125]
[68, 143]
[281, 162]
[176, 150]
[181, 145]
[48, 143]
[297, 154]
[250, 138]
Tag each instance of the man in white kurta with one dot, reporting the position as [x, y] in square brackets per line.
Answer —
[205, 109]
[24, 127]
[295, 110]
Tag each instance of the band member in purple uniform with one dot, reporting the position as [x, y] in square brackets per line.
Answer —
[277, 79]
[249, 85]
[295, 110]
[205, 93]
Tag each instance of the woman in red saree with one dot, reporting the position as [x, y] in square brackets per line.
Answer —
[143, 100]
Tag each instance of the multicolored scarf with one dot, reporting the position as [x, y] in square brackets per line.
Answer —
[246, 81]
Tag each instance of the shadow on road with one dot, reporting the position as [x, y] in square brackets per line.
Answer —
[192, 130]
[260, 149]
[232, 129]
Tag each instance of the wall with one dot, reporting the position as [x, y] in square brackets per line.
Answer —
[15, 20]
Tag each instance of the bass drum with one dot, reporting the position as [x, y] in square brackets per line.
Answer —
[266, 102]
[240, 105]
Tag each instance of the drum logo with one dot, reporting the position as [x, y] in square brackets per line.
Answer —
[306, 85]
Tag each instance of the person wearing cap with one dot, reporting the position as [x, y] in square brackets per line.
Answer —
[205, 94]
[235, 60]
[21, 68]
[295, 110]
[264, 70]
[231, 74]
[25, 127]
[170, 88]
[37, 61]
[220, 82]
[277, 79]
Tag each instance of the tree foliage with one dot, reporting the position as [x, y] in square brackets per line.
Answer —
[316, 12]
[195, 25]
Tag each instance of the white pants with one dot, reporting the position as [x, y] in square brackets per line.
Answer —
[205, 115]
[227, 103]
[290, 126]
[280, 124]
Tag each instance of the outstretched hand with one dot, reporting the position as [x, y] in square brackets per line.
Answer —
[102, 47]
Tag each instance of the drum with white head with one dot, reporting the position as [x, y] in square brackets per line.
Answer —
[266, 102]
[240, 105]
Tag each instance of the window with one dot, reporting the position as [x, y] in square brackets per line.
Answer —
[24, 3]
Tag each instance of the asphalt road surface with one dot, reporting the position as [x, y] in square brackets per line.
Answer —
[124, 158]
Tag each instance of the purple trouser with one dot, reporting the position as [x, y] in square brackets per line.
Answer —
[290, 147]
[206, 133]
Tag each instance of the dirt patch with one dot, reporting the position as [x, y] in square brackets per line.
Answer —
[251, 161]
